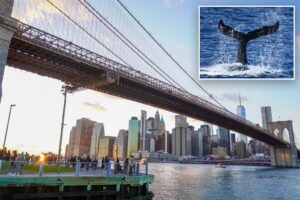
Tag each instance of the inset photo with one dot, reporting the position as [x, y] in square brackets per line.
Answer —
[246, 42]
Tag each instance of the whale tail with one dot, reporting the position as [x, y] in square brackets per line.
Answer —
[245, 38]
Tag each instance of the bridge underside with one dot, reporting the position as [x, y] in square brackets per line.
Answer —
[34, 58]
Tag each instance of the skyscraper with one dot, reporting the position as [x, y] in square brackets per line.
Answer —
[266, 116]
[224, 136]
[180, 121]
[156, 120]
[122, 142]
[206, 139]
[80, 137]
[133, 135]
[98, 132]
[143, 130]
[197, 143]
[161, 137]
[181, 141]
[106, 146]
[241, 112]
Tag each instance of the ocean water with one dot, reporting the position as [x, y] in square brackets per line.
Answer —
[270, 56]
[205, 182]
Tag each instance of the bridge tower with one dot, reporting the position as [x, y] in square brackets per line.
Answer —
[7, 29]
[283, 156]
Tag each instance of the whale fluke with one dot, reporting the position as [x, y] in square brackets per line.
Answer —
[245, 38]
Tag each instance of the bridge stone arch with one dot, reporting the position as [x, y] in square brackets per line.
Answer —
[283, 156]
[286, 135]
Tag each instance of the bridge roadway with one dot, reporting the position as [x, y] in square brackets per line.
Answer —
[39, 52]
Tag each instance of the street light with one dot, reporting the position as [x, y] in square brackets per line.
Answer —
[11, 106]
[64, 90]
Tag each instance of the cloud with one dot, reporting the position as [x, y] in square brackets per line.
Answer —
[180, 46]
[94, 106]
[40, 10]
[168, 3]
[234, 97]
[295, 114]
[171, 3]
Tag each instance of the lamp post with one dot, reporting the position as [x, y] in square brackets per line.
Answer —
[11, 106]
[64, 90]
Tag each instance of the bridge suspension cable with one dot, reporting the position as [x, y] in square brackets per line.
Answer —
[106, 47]
[133, 47]
[79, 26]
[168, 54]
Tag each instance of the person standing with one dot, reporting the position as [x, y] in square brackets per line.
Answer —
[131, 165]
[126, 163]
[87, 163]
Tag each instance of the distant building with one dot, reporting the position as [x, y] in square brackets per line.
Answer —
[211, 128]
[214, 140]
[220, 151]
[133, 136]
[205, 130]
[106, 146]
[161, 137]
[180, 121]
[98, 132]
[197, 143]
[232, 142]
[169, 139]
[241, 112]
[80, 137]
[160, 142]
[121, 144]
[156, 120]
[66, 150]
[240, 149]
[224, 136]
[266, 116]
[181, 141]
[152, 145]
[149, 124]
[143, 130]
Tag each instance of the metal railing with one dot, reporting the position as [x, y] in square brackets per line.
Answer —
[25, 168]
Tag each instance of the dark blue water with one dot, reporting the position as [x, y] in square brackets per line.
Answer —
[205, 182]
[269, 56]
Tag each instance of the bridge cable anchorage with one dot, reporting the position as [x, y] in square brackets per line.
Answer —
[121, 36]
[169, 55]
[98, 41]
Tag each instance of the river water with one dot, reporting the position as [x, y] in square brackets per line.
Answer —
[188, 181]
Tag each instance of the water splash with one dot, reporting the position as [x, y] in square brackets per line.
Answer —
[237, 70]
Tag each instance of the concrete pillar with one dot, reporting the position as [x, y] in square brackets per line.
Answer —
[7, 28]
[285, 157]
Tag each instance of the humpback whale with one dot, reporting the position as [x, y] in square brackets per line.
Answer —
[245, 38]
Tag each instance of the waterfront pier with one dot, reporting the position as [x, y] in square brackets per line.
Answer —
[76, 184]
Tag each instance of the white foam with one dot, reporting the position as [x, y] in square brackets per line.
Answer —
[239, 70]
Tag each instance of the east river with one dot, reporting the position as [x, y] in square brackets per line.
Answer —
[201, 182]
